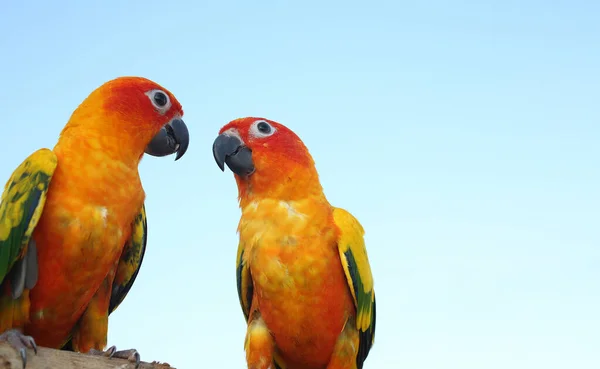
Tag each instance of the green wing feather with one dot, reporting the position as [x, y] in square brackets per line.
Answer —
[131, 260]
[245, 287]
[353, 253]
[21, 207]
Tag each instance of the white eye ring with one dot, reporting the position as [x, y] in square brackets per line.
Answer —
[160, 100]
[261, 129]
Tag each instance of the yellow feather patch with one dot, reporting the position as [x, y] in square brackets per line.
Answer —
[22, 204]
[42, 161]
[355, 261]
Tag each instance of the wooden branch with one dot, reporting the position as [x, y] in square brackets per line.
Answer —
[56, 359]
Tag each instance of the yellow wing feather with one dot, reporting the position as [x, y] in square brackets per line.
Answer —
[353, 254]
[22, 204]
[244, 283]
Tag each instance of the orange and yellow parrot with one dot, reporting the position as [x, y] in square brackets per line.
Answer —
[73, 223]
[303, 275]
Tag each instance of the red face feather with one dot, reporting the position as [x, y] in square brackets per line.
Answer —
[128, 95]
[122, 116]
[279, 157]
[282, 142]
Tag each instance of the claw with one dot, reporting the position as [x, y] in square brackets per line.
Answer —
[132, 355]
[108, 353]
[23, 353]
[19, 342]
[137, 359]
[111, 351]
[32, 344]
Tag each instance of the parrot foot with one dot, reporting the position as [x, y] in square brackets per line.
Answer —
[108, 353]
[20, 342]
[131, 355]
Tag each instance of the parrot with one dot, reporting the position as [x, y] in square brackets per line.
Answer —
[73, 227]
[303, 276]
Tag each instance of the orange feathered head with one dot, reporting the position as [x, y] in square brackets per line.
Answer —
[132, 115]
[267, 158]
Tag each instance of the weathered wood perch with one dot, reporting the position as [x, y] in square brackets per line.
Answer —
[56, 359]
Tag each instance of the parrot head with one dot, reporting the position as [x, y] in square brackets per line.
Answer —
[267, 159]
[134, 116]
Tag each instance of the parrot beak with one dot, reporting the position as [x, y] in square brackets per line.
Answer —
[230, 150]
[173, 137]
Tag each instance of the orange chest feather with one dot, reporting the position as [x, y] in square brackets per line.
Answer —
[299, 284]
[83, 228]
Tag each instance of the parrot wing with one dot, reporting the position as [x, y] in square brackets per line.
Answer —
[353, 254]
[131, 260]
[128, 267]
[245, 287]
[21, 207]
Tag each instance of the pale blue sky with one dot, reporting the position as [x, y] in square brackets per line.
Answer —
[463, 135]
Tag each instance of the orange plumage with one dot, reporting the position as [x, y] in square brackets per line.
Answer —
[293, 276]
[89, 213]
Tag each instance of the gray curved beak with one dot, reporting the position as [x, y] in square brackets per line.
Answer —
[172, 138]
[230, 150]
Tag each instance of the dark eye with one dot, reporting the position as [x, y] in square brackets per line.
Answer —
[263, 127]
[160, 99]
